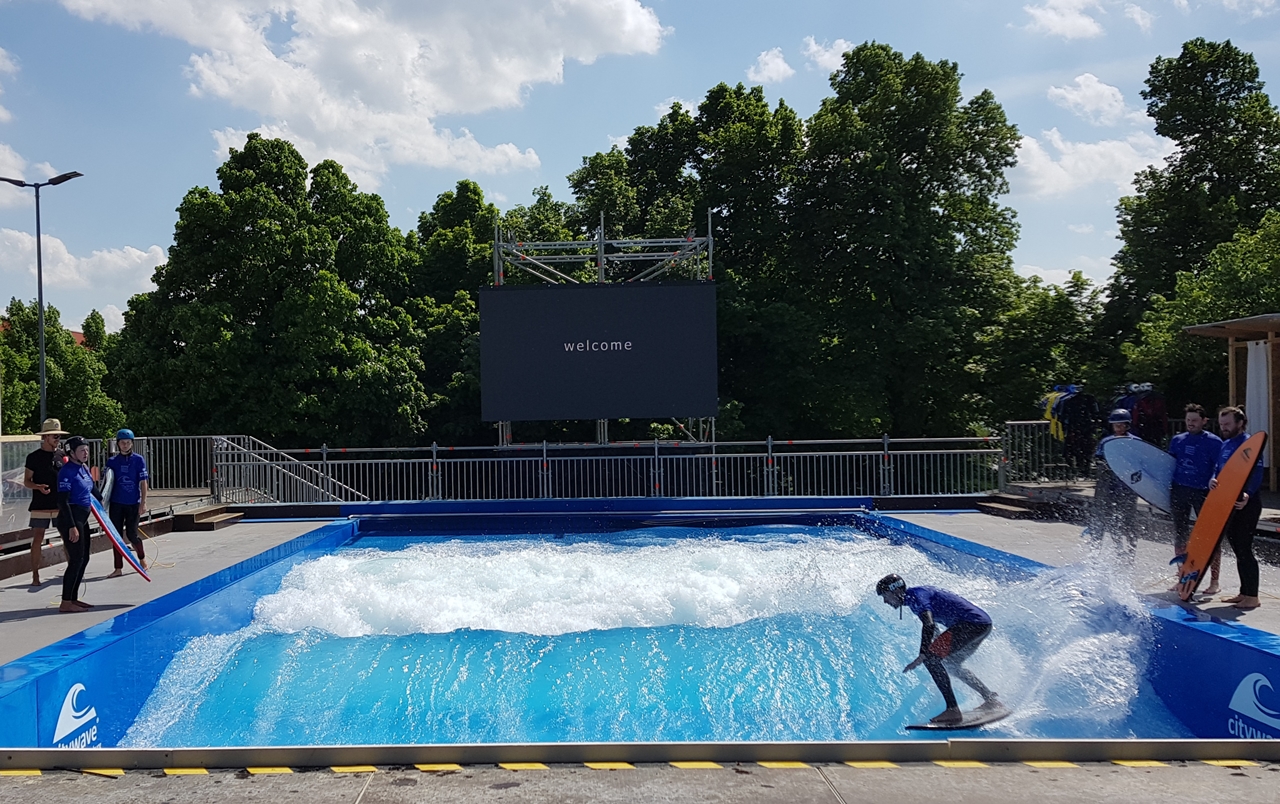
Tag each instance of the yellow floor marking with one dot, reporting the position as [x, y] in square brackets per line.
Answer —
[696, 765]
[185, 772]
[959, 763]
[610, 765]
[432, 767]
[266, 770]
[523, 766]
[103, 771]
[1139, 763]
[1230, 763]
[1050, 763]
[783, 764]
[31, 772]
[871, 764]
[353, 769]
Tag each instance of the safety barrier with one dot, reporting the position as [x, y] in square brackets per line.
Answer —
[243, 469]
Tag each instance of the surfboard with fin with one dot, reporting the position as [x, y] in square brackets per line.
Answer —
[1213, 516]
[972, 719]
[1146, 469]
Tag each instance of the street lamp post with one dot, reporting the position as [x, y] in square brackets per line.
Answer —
[54, 182]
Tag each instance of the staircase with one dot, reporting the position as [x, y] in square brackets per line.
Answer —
[247, 470]
[210, 517]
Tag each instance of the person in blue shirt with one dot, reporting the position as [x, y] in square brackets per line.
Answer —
[75, 492]
[1195, 454]
[1115, 505]
[1243, 524]
[128, 496]
[967, 626]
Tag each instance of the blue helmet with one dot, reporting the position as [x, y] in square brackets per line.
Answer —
[125, 433]
[1120, 416]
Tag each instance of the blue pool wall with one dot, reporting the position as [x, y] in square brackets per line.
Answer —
[1198, 665]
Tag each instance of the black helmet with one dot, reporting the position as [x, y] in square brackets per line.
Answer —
[74, 443]
[889, 583]
[1120, 416]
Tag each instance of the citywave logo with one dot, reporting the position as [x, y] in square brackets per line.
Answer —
[72, 720]
[1246, 702]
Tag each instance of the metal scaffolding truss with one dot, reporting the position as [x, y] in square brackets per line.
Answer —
[626, 260]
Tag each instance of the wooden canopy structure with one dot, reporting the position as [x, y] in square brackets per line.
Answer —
[1239, 333]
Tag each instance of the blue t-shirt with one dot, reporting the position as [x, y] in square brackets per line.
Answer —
[74, 478]
[1197, 458]
[1228, 449]
[129, 470]
[948, 608]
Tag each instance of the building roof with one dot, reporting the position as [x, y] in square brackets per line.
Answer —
[1253, 328]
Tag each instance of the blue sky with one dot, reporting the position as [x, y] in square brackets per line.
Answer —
[143, 97]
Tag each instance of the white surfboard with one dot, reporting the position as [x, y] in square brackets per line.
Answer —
[1146, 469]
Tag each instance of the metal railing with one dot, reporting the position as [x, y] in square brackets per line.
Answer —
[243, 469]
[861, 467]
[1033, 455]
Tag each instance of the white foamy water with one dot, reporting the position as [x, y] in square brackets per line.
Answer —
[772, 612]
[554, 587]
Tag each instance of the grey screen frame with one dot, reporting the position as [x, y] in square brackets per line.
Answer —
[602, 351]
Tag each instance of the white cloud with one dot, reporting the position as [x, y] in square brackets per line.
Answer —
[827, 57]
[113, 317]
[1065, 18]
[7, 67]
[618, 142]
[1095, 101]
[1097, 269]
[770, 68]
[1182, 5]
[1081, 228]
[1074, 165]
[1141, 17]
[663, 108]
[1254, 8]
[364, 82]
[123, 270]
[1052, 276]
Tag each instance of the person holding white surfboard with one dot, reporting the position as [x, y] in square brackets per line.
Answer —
[1196, 454]
[1115, 506]
[128, 497]
[75, 499]
[1243, 524]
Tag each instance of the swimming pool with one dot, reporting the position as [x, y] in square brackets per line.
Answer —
[376, 631]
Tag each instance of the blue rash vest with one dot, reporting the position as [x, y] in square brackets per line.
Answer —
[130, 470]
[948, 608]
[1197, 458]
[74, 479]
[1228, 449]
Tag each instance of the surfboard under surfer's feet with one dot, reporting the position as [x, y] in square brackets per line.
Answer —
[949, 715]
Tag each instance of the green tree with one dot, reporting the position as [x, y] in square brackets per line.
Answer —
[73, 376]
[1239, 278]
[1223, 176]
[603, 187]
[284, 312]
[455, 240]
[900, 243]
[94, 330]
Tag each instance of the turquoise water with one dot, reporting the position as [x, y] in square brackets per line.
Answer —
[767, 633]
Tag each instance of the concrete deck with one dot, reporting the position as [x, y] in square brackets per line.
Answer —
[568, 784]
[1058, 544]
[29, 618]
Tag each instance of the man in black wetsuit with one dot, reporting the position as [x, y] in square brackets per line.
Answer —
[967, 626]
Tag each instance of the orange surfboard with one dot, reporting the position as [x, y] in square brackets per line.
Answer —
[1217, 508]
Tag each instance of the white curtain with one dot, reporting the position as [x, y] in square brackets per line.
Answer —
[1257, 390]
